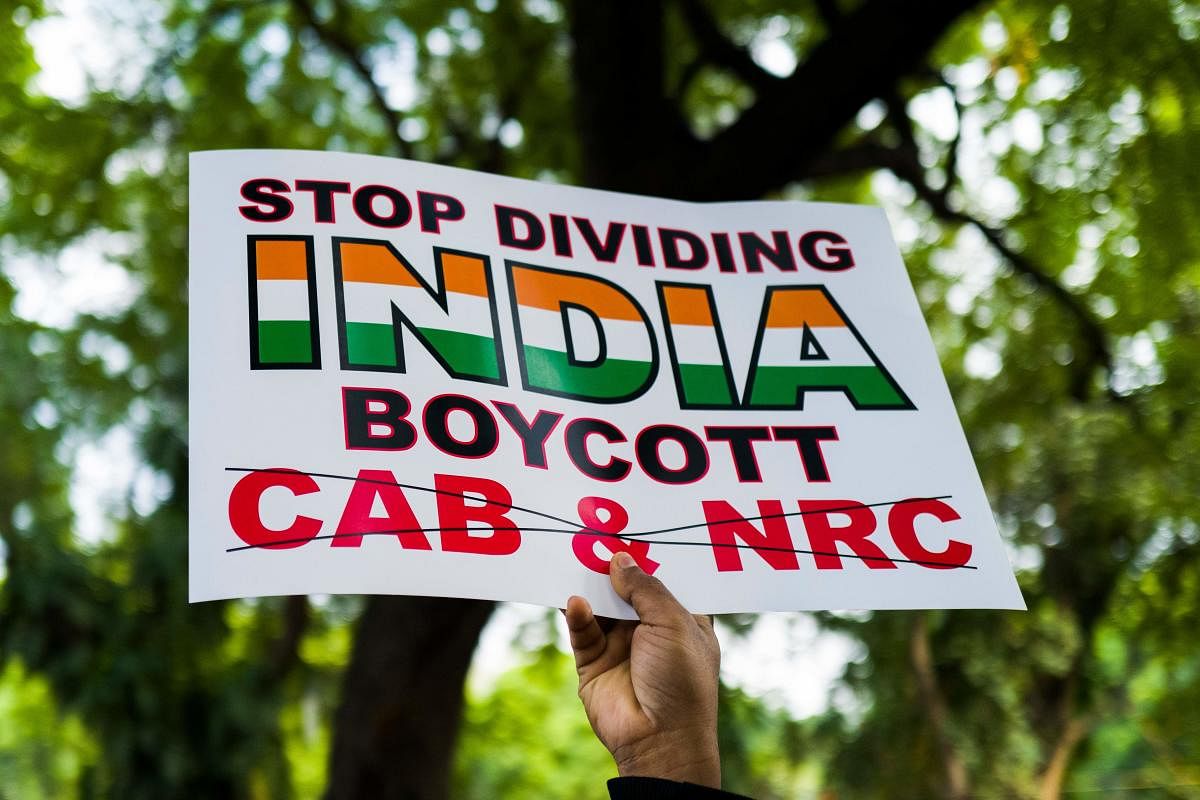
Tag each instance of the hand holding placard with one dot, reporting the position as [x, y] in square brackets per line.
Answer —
[650, 687]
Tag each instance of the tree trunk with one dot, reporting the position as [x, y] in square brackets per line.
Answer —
[395, 731]
[633, 137]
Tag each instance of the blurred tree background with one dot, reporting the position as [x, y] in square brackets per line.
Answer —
[1038, 163]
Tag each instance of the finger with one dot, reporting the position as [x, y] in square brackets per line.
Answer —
[587, 637]
[708, 630]
[650, 599]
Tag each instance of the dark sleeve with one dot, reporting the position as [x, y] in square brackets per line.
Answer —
[659, 789]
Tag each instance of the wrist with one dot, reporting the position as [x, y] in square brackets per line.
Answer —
[686, 756]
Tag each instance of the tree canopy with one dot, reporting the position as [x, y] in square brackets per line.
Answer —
[1036, 161]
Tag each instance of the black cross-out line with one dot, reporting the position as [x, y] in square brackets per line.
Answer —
[580, 528]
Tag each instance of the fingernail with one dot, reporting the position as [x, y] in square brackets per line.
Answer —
[624, 560]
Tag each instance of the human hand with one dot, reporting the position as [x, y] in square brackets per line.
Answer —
[650, 686]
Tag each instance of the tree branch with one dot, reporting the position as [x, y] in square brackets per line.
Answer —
[897, 117]
[337, 40]
[864, 155]
[796, 119]
[957, 782]
[690, 71]
[213, 16]
[1050, 782]
[906, 166]
[903, 162]
[830, 13]
[719, 50]
[951, 167]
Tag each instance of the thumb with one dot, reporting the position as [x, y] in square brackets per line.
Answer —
[650, 599]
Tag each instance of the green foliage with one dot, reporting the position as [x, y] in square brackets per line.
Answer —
[516, 739]
[43, 753]
[765, 753]
[1099, 493]
[1078, 133]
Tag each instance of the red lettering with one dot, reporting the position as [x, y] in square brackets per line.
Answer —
[455, 516]
[772, 544]
[901, 524]
[400, 520]
[244, 507]
[824, 537]
[604, 532]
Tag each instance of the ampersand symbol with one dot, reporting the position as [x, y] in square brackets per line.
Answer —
[601, 531]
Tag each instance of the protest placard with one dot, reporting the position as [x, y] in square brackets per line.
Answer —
[414, 379]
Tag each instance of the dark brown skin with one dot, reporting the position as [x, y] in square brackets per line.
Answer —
[649, 687]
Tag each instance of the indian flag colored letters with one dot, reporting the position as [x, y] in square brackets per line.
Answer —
[282, 303]
[806, 344]
[553, 308]
[702, 372]
[454, 318]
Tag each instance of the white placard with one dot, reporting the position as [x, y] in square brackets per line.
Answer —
[413, 379]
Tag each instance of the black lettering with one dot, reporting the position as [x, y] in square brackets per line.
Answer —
[433, 208]
[724, 252]
[401, 208]
[670, 238]
[754, 249]
[608, 249]
[834, 259]
[506, 216]
[576, 436]
[641, 245]
[323, 192]
[560, 234]
[533, 434]
[808, 443]
[261, 192]
[695, 456]
[437, 426]
[741, 445]
[366, 411]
